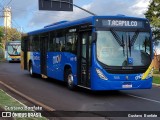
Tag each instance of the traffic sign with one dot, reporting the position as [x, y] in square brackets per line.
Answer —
[56, 5]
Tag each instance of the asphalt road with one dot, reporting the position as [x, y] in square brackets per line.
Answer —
[56, 95]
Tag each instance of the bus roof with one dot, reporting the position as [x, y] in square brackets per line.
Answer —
[64, 24]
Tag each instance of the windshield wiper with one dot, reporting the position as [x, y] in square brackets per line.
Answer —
[129, 45]
[123, 45]
[118, 39]
[145, 44]
[133, 40]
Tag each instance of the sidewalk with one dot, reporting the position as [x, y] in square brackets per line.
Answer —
[158, 75]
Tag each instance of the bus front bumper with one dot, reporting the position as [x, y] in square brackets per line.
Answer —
[99, 84]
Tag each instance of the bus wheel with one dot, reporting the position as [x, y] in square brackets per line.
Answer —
[69, 79]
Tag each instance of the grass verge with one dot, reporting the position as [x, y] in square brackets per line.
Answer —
[7, 101]
[156, 71]
[156, 76]
[156, 79]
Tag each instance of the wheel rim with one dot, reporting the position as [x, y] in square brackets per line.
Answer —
[31, 69]
[70, 79]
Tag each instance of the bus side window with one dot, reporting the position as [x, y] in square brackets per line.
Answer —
[52, 42]
[35, 44]
[30, 43]
[71, 43]
[22, 44]
[86, 37]
[60, 42]
[68, 47]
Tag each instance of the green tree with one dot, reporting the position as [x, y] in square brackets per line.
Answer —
[1, 37]
[9, 34]
[6, 35]
[153, 14]
[13, 34]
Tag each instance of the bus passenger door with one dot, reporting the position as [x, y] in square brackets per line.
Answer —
[84, 55]
[24, 51]
[43, 55]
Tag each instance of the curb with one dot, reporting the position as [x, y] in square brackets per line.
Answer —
[45, 107]
[158, 85]
[157, 75]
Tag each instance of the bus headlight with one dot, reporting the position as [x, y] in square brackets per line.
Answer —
[101, 75]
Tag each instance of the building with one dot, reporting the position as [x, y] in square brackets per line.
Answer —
[157, 55]
[7, 17]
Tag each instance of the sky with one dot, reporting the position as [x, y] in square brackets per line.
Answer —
[26, 15]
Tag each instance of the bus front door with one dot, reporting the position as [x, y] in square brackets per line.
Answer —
[43, 56]
[84, 54]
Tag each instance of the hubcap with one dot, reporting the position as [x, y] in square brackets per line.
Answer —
[31, 70]
[70, 79]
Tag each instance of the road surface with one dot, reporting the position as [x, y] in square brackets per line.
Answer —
[56, 95]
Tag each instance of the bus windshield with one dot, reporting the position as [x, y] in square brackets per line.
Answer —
[118, 48]
[14, 49]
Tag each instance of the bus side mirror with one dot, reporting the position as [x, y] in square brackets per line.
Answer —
[94, 36]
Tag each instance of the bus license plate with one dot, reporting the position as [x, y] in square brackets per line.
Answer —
[127, 85]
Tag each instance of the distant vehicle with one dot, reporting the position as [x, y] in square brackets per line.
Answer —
[12, 51]
[96, 53]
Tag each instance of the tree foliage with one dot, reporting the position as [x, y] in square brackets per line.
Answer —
[9, 34]
[13, 34]
[1, 36]
[153, 14]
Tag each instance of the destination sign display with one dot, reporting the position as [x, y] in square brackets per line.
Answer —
[119, 23]
[14, 43]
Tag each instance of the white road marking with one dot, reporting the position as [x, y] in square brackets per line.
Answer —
[151, 100]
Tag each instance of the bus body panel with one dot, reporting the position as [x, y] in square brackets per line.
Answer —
[11, 58]
[22, 60]
[29, 56]
[54, 65]
[35, 58]
[57, 61]
[99, 84]
[117, 81]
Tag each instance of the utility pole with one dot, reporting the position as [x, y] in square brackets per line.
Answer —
[7, 24]
[7, 21]
[7, 17]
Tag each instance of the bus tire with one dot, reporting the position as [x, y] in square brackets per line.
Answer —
[69, 79]
[31, 70]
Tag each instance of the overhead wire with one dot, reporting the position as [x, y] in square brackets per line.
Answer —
[9, 2]
[36, 12]
[13, 21]
[18, 26]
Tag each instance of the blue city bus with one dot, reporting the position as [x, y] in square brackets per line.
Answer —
[12, 51]
[96, 53]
